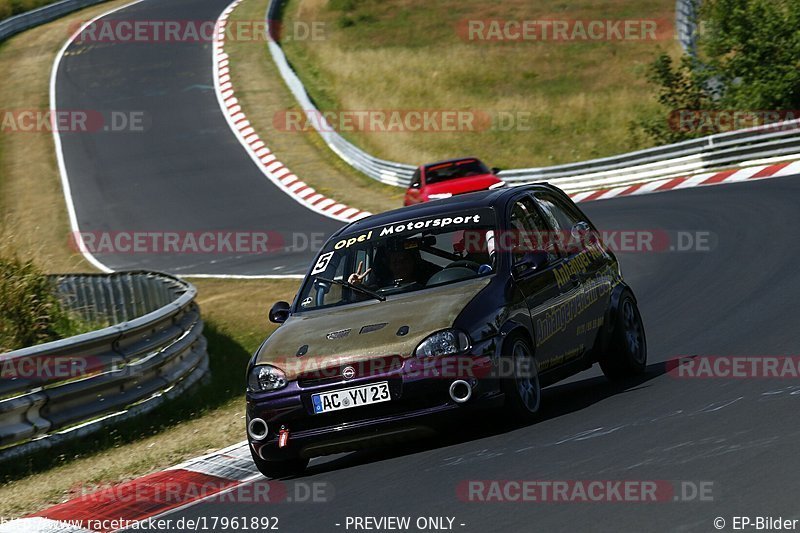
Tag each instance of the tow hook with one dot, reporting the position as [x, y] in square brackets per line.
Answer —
[283, 437]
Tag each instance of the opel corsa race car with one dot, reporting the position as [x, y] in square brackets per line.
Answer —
[423, 312]
[444, 179]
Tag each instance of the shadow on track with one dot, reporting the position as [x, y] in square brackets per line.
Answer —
[557, 400]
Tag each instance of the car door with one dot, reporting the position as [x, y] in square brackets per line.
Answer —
[585, 262]
[547, 300]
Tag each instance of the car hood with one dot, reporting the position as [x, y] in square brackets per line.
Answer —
[330, 344]
[462, 185]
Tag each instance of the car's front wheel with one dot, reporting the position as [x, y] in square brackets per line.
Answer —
[522, 389]
[626, 355]
[279, 469]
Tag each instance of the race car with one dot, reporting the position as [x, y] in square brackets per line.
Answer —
[444, 179]
[424, 312]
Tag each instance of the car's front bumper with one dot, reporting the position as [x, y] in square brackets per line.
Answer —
[420, 400]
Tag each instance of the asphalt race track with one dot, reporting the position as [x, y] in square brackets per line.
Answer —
[185, 171]
[737, 298]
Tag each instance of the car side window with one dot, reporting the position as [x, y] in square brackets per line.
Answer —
[561, 217]
[528, 227]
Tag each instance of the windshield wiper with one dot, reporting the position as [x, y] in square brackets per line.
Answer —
[358, 288]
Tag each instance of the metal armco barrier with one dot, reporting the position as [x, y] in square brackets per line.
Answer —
[29, 19]
[681, 159]
[698, 155]
[68, 388]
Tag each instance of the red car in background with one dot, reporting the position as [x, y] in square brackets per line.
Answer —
[444, 179]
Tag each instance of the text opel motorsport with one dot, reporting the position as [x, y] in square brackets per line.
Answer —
[434, 308]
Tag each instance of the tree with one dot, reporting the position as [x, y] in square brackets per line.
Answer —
[748, 60]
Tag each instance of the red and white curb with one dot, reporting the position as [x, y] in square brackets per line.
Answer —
[699, 180]
[269, 164]
[118, 507]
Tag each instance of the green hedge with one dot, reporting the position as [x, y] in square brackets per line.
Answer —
[9, 8]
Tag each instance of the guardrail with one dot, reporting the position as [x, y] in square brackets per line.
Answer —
[29, 19]
[681, 159]
[71, 387]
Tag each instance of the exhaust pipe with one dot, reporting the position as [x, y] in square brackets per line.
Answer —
[460, 391]
[257, 429]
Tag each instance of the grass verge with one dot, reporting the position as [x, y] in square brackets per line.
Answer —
[579, 97]
[263, 97]
[34, 216]
[34, 224]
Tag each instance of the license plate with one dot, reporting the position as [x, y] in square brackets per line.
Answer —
[352, 397]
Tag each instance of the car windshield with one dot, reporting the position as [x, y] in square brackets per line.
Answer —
[453, 170]
[401, 257]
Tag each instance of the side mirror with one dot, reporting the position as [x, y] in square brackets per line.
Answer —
[279, 312]
[530, 262]
[583, 235]
[580, 229]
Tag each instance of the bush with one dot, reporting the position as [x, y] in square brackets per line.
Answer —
[5, 9]
[748, 61]
[30, 311]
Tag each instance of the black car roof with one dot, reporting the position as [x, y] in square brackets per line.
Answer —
[473, 200]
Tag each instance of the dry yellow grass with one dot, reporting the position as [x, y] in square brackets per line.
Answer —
[34, 214]
[241, 307]
[262, 94]
[407, 54]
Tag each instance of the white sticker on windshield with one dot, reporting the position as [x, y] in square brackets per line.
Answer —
[322, 263]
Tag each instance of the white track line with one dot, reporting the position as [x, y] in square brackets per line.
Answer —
[73, 219]
[65, 185]
[242, 276]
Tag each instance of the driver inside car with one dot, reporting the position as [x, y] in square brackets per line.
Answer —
[404, 266]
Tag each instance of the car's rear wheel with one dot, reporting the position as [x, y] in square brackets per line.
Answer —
[279, 469]
[626, 355]
[522, 390]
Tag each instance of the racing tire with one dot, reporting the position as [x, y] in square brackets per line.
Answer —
[523, 391]
[279, 469]
[626, 355]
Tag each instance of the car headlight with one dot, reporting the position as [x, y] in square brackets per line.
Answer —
[445, 342]
[266, 378]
